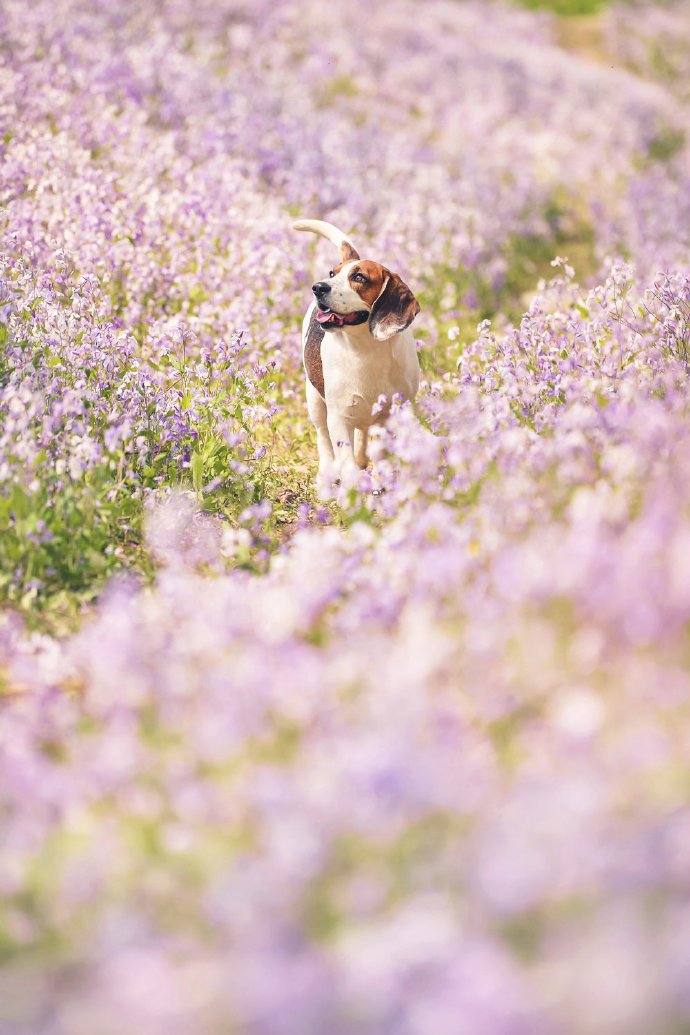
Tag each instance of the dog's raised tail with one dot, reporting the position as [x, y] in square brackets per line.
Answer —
[348, 252]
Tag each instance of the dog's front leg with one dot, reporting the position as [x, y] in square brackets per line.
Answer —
[342, 435]
[319, 416]
[361, 458]
[326, 456]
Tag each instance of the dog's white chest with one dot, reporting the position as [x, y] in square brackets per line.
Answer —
[357, 373]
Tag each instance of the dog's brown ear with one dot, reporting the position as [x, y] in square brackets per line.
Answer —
[348, 253]
[394, 309]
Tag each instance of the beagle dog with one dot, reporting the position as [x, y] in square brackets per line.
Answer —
[357, 346]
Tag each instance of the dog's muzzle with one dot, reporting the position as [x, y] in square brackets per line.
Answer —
[330, 320]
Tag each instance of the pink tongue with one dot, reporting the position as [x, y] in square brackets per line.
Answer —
[326, 317]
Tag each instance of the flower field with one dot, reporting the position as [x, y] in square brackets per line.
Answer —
[415, 760]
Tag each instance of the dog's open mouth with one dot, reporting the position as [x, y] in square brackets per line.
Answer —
[329, 319]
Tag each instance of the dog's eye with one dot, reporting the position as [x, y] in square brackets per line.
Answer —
[360, 278]
[331, 273]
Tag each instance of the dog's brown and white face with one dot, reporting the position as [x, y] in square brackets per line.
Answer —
[359, 291]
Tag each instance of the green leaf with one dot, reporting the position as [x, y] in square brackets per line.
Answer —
[197, 470]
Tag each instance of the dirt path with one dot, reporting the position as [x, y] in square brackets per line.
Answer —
[584, 35]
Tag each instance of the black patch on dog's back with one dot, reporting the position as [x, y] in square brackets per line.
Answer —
[312, 354]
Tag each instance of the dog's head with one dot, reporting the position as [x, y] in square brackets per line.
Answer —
[358, 291]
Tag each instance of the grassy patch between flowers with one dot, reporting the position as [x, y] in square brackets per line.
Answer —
[458, 298]
[566, 8]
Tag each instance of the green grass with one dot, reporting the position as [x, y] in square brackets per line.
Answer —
[566, 8]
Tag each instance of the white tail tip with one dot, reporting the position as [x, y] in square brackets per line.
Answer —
[348, 252]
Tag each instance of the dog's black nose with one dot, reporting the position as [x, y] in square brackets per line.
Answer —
[321, 288]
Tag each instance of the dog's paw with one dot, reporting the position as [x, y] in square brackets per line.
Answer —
[326, 489]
